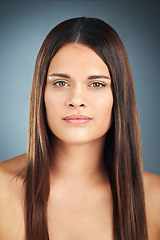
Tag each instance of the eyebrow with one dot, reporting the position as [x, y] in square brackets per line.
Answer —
[67, 76]
[59, 75]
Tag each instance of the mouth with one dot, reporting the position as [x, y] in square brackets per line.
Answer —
[77, 119]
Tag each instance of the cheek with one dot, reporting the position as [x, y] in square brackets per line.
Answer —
[104, 106]
[105, 115]
[52, 105]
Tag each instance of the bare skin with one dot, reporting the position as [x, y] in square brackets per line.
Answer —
[80, 192]
[71, 212]
[80, 201]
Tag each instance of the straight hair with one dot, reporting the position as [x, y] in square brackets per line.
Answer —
[122, 151]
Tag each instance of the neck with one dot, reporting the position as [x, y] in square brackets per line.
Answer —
[78, 163]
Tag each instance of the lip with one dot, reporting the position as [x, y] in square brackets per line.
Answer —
[77, 119]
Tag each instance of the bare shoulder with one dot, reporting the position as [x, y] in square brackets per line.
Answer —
[152, 185]
[13, 165]
[10, 177]
[152, 198]
[9, 170]
[11, 198]
[151, 179]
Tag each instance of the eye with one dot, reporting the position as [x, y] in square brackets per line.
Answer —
[97, 85]
[60, 84]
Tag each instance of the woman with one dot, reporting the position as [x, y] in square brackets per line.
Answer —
[82, 176]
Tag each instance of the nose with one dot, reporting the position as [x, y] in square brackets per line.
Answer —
[76, 98]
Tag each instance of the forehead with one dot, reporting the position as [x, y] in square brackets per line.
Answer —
[77, 57]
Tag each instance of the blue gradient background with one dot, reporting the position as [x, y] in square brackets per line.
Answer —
[23, 27]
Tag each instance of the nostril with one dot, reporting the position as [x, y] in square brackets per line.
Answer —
[76, 105]
[82, 105]
[71, 105]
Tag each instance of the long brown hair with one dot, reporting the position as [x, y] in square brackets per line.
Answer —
[122, 154]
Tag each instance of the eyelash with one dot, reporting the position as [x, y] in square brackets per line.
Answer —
[56, 84]
[102, 84]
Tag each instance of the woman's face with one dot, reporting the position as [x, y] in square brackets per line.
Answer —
[78, 95]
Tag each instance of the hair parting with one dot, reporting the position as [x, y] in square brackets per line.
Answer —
[122, 152]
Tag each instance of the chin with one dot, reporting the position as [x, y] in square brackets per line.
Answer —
[80, 140]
